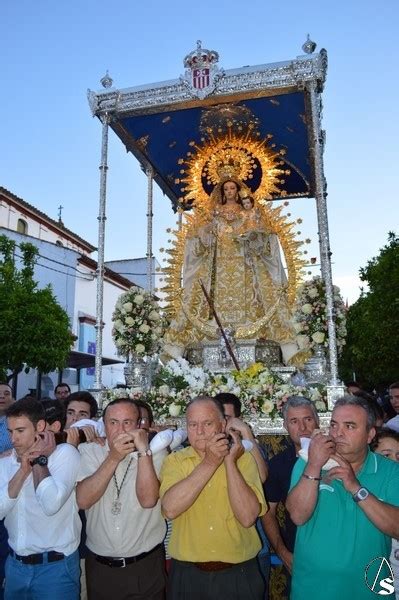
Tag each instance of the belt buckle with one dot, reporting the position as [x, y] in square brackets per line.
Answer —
[123, 565]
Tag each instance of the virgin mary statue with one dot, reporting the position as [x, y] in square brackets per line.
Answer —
[230, 248]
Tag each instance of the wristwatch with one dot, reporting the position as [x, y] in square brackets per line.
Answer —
[40, 460]
[360, 495]
[141, 453]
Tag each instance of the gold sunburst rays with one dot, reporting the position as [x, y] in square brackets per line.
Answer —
[232, 154]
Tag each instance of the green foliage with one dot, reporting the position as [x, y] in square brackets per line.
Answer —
[34, 329]
[176, 382]
[372, 349]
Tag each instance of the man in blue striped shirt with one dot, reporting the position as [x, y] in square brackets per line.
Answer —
[5, 400]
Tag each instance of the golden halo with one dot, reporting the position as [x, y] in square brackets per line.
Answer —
[230, 155]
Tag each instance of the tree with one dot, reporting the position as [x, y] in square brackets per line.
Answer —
[372, 349]
[34, 328]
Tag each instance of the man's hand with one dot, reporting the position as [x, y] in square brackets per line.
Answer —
[25, 466]
[321, 448]
[140, 439]
[345, 473]
[236, 449]
[121, 446]
[44, 445]
[216, 449]
[90, 433]
[73, 436]
[236, 424]
[287, 558]
[25, 469]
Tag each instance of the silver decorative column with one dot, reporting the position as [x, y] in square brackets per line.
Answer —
[150, 176]
[317, 148]
[105, 119]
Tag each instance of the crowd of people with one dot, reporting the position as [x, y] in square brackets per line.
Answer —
[89, 505]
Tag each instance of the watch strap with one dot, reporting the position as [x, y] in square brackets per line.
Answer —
[41, 460]
[141, 453]
[361, 494]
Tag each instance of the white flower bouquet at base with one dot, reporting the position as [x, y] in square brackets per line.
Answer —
[138, 325]
[310, 315]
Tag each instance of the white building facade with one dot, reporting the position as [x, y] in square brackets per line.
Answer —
[65, 263]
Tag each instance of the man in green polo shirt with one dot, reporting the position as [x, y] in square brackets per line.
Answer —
[347, 515]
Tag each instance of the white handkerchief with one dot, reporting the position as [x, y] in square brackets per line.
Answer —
[179, 436]
[303, 453]
[98, 425]
[161, 441]
[248, 445]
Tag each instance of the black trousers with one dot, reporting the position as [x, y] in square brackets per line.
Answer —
[143, 580]
[241, 582]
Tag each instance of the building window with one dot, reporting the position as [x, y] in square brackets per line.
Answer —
[22, 227]
[59, 243]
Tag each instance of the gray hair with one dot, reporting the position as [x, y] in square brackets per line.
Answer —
[296, 402]
[216, 403]
[349, 400]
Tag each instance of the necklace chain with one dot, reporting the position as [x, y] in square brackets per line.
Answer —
[119, 487]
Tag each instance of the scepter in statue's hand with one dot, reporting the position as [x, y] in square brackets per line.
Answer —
[227, 342]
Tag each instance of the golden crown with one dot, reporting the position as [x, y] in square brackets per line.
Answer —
[229, 162]
[231, 168]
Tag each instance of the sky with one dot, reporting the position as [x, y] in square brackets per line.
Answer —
[52, 52]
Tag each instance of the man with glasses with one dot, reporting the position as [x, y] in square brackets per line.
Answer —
[62, 391]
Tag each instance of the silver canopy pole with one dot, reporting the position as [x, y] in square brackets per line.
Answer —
[150, 178]
[105, 119]
[317, 147]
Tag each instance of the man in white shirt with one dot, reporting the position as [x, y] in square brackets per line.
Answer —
[119, 489]
[37, 499]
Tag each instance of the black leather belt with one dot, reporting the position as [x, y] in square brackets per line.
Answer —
[38, 559]
[110, 561]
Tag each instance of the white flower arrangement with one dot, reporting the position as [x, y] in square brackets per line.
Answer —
[137, 323]
[196, 378]
[261, 392]
[310, 315]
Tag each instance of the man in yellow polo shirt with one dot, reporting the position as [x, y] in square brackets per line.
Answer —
[212, 493]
